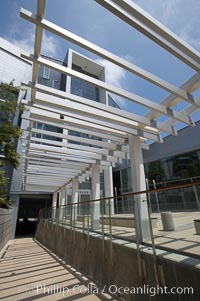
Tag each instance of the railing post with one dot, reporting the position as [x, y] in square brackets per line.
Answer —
[110, 232]
[156, 195]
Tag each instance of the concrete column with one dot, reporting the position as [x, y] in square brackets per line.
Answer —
[68, 205]
[54, 205]
[139, 184]
[54, 201]
[95, 194]
[62, 203]
[74, 198]
[66, 188]
[108, 186]
[62, 196]
[59, 197]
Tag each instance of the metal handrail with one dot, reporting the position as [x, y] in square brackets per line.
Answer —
[132, 194]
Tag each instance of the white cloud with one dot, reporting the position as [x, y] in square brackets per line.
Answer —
[178, 15]
[114, 76]
[50, 45]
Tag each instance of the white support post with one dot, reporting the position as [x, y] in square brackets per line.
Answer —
[54, 205]
[108, 186]
[74, 199]
[62, 196]
[67, 207]
[139, 184]
[61, 203]
[66, 199]
[95, 195]
[54, 201]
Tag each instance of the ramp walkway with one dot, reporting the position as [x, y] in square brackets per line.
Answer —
[28, 271]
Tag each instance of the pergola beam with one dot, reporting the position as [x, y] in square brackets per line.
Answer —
[50, 162]
[87, 122]
[118, 91]
[99, 134]
[88, 141]
[69, 101]
[104, 54]
[143, 22]
[191, 85]
[71, 159]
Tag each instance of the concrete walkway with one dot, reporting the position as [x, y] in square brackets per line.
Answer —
[30, 272]
[183, 239]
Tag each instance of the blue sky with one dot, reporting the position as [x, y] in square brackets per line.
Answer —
[91, 21]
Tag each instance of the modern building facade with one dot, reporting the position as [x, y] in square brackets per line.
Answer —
[178, 157]
[15, 70]
[49, 77]
[105, 137]
[27, 203]
[122, 181]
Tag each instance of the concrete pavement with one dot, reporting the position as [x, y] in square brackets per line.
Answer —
[29, 272]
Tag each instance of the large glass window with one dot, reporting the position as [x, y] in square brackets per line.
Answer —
[186, 165]
[55, 84]
[46, 72]
[82, 135]
[181, 166]
[81, 88]
[46, 127]
[126, 180]
[52, 78]
[112, 102]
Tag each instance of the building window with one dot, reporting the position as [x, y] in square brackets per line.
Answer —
[81, 88]
[55, 84]
[112, 102]
[46, 127]
[46, 73]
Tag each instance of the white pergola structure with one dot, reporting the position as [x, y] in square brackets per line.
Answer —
[51, 165]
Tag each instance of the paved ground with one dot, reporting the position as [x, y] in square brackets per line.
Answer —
[30, 272]
[183, 239]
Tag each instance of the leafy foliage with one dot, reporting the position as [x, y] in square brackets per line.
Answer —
[156, 171]
[9, 134]
[186, 165]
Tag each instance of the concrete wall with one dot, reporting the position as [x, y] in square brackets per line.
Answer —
[92, 256]
[12, 66]
[5, 226]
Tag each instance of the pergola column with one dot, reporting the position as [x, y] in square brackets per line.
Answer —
[62, 203]
[54, 205]
[95, 195]
[62, 196]
[54, 201]
[139, 184]
[74, 198]
[108, 186]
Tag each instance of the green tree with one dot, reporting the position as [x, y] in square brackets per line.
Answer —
[186, 165]
[9, 135]
[156, 171]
